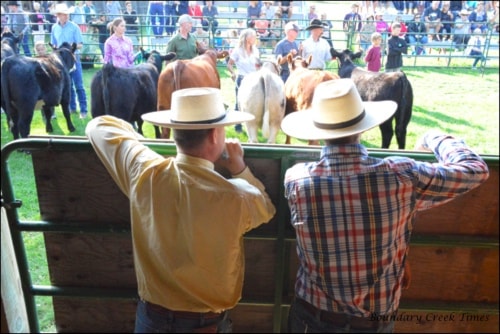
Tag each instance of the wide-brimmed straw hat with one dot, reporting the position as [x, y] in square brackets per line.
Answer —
[336, 111]
[315, 23]
[196, 109]
[62, 8]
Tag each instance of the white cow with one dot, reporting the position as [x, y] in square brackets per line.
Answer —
[262, 93]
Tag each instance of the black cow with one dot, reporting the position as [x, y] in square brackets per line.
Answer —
[27, 80]
[127, 93]
[375, 86]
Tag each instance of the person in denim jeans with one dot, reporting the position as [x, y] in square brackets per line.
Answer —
[157, 17]
[66, 31]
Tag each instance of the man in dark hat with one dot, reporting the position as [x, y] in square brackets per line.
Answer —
[19, 25]
[316, 46]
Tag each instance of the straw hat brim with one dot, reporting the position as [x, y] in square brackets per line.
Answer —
[300, 124]
[164, 118]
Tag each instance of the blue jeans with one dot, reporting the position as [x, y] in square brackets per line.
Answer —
[154, 320]
[77, 82]
[478, 56]
[301, 320]
[170, 18]
[156, 15]
[26, 46]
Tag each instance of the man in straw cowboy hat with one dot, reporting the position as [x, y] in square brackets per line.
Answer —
[353, 214]
[67, 31]
[188, 221]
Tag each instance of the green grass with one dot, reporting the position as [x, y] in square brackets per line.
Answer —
[455, 100]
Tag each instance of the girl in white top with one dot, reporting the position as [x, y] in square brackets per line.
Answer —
[246, 58]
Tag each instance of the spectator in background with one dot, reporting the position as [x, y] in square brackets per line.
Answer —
[432, 20]
[65, 31]
[374, 55]
[50, 17]
[201, 36]
[475, 47]
[113, 10]
[399, 6]
[38, 21]
[268, 9]
[5, 19]
[312, 13]
[245, 56]
[479, 18]
[194, 10]
[327, 31]
[253, 13]
[118, 48]
[447, 20]
[396, 46]
[131, 19]
[352, 25]
[101, 26]
[365, 35]
[316, 46]
[381, 26]
[462, 31]
[277, 25]
[210, 14]
[90, 12]
[493, 19]
[261, 26]
[417, 34]
[286, 8]
[78, 16]
[287, 45]
[40, 49]
[19, 24]
[404, 29]
[455, 7]
[410, 7]
[170, 17]
[156, 17]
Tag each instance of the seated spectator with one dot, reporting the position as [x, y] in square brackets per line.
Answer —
[253, 13]
[417, 34]
[410, 6]
[201, 36]
[78, 16]
[268, 9]
[261, 26]
[447, 19]
[461, 33]
[493, 19]
[277, 25]
[479, 18]
[286, 8]
[312, 13]
[210, 14]
[432, 20]
[381, 26]
[404, 28]
[194, 10]
[475, 47]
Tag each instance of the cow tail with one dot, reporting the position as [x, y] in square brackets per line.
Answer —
[405, 110]
[105, 90]
[177, 74]
[5, 91]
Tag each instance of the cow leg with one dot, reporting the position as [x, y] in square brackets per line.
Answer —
[47, 113]
[157, 132]
[287, 141]
[67, 116]
[12, 121]
[252, 130]
[273, 133]
[387, 133]
[24, 123]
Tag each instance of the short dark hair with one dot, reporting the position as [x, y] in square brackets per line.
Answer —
[189, 139]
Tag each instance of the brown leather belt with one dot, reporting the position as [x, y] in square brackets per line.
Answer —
[341, 319]
[183, 314]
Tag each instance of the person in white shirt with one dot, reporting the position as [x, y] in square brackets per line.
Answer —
[316, 46]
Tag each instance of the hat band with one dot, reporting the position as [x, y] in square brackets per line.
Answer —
[200, 122]
[329, 126]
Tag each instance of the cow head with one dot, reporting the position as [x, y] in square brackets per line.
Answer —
[345, 60]
[66, 54]
[298, 62]
[9, 44]
[156, 59]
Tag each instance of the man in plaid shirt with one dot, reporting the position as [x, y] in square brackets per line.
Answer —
[353, 214]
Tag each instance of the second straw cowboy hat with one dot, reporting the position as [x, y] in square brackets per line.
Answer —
[196, 109]
[315, 23]
[336, 111]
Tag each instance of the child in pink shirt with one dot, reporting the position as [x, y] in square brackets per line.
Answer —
[374, 53]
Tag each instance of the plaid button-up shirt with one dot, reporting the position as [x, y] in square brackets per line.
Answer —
[353, 218]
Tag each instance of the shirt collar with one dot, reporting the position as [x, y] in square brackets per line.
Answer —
[188, 159]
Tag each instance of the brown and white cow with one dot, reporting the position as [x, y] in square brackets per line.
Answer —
[200, 71]
[300, 85]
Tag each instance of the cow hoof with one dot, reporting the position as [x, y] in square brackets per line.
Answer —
[71, 129]
[49, 129]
